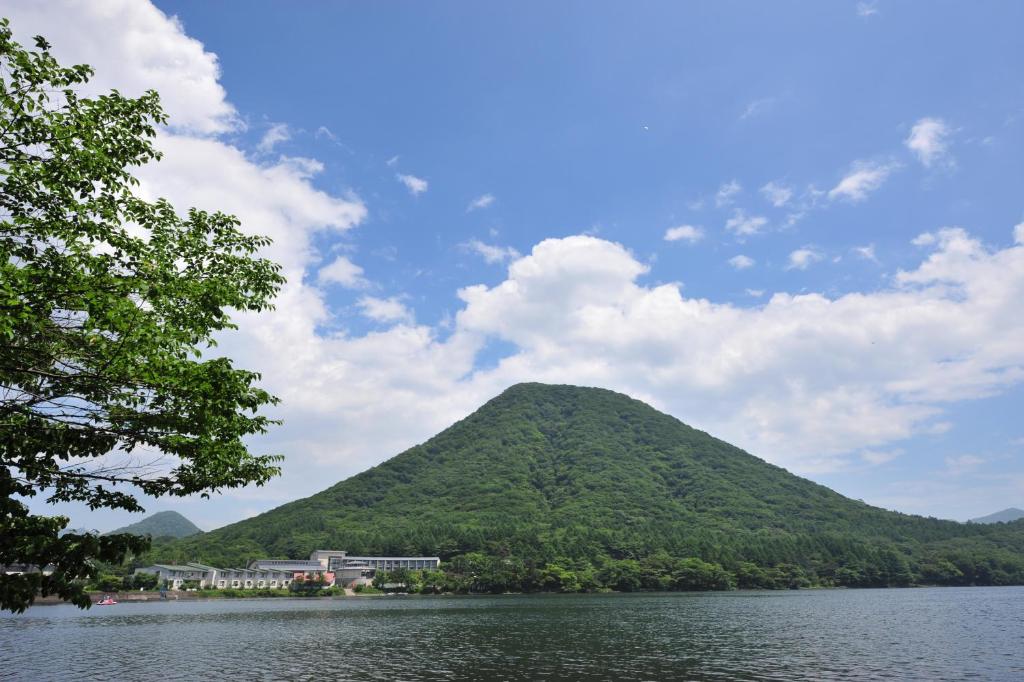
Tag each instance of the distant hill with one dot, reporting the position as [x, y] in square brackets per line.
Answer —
[160, 525]
[588, 480]
[1005, 516]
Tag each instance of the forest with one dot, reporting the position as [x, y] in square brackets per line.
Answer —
[562, 488]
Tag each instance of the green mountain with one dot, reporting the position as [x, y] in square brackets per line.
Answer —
[592, 483]
[165, 524]
[1005, 516]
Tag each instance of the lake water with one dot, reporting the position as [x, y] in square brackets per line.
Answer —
[926, 634]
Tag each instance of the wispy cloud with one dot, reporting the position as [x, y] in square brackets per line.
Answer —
[742, 224]
[686, 233]
[863, 178]
[878, 457]
[956, 466]
[867, 9]
[866, 252]
[482, 201]
[415, 185]
[758, 106]
[726, 192]
[490, 252]
[278, 133]
[801, 259]
[929, 141]
[742, 262]
[777, 193]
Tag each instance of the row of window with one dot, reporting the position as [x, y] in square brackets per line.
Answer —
[249, 583]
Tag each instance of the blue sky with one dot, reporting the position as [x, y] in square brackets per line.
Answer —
[797, 225]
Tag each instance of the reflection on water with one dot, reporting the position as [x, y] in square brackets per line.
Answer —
[926, 634]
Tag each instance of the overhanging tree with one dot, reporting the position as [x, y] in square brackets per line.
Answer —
[109, 305]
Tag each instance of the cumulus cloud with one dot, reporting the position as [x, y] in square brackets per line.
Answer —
[482, 201]
[415, 185]
[344, 272]
[727, 192]
[385, 309]
[686, 233]
[807, 378]
[741, 262]
[490, 252]
[138, 47]
[276, 134]
[929, 140]
[801, 259]
[743, 225]
[863, 178]
[777, 193]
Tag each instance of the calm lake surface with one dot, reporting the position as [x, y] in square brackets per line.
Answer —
[926, 634]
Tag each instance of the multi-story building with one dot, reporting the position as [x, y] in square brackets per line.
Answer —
[332, 566]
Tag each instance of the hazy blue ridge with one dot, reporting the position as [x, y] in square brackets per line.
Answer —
[161, 524]
[1004, 516]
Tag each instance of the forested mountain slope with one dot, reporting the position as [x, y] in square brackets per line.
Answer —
[548, 474]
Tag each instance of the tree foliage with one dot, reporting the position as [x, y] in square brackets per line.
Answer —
[109, 305]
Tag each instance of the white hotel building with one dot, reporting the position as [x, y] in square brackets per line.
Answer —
[336, 567]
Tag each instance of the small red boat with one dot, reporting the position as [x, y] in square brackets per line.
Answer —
[106, 601]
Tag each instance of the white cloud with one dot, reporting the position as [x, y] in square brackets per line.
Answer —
[756, 293]
[963, 464]
[801, 259]
[415, 185]
[878, 457]
[344, 272]
[277, 133]
[726, 192]
[866, 252]
[757, 107]
[929, 140]
[136, 46]
[385, 309]
[863, 178]
[1018, 233]
[777, 193]
[806, 377]
[867, 9]
[686, 233]
[482, 201]
[490, 252]
[741, 262]
[743, 225]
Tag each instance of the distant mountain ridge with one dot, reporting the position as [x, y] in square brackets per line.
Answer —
[161, 525]
[1004, 516]
[573, 476]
